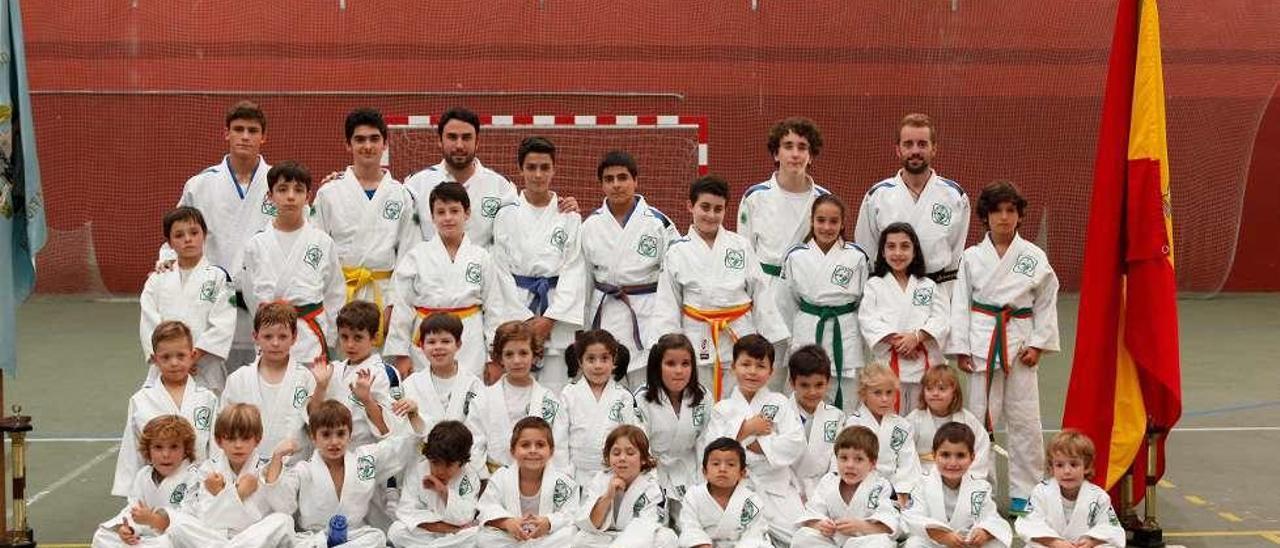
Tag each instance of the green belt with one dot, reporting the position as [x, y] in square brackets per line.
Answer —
[998, 351]
[831, 313]
[771, 269]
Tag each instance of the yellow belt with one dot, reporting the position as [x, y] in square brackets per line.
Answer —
[357, 278]
[462, 313]
[718, 320]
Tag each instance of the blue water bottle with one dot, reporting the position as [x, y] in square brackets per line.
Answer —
[337, 530]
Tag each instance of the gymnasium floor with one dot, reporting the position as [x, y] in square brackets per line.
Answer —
[80, 360]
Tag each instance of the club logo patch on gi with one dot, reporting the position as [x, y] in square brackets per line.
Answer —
[975, 503]
[898, 439]
[639, 505]
[941, 214]
[466, 403]
[769, 411]
[829, 431]
[549, 407]
[204, 416]
[873, 501]
[300, 397]
[269, 208]
[615, 411]
[559, 238]
[841, 276]
[180, 492]
[365, 468]
[560, 494]
[489, 206]
[465, 487]
[648, 246]
[391, 211]
[397, 393]
[742, 217]
[351, 397]
[209, 291]
[699, 415]
[922, 296]
[473, 273]
[1025, 265]
[312, 256]
[748, 515]
[1094, 508]
[735, 259]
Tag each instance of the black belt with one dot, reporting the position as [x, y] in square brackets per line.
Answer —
[942, 276]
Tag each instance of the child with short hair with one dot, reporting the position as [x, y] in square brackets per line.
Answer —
[952, 507]
[518, 395]
[672, 408]
[361, 379]
[622, 506]
[942, 402]
[159, 490]
[896, 460]
[196, 292]
[437, 508]
[712, 287]
[173, 392]
[722, 512]
[444, 391]
[852, 507]
[1068, 510]
[295, 262]
[332, 488]
[231, 508]
[1004, 316]
[767, 425]
[810, 372]
[904, 314]
[595, 404]
[449, 273]
[533, 502]
[824, 277]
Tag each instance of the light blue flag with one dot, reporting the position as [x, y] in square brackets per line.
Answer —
[22, 228]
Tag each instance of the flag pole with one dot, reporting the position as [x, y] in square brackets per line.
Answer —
[1148, 533]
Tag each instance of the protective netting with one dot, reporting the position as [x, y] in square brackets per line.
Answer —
[129, 98]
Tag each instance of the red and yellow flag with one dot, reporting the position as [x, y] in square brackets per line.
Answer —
[1126, 377]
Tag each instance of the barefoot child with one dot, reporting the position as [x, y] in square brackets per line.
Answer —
[161, 487]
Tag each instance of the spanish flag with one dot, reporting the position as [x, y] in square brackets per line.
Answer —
[1126, 380]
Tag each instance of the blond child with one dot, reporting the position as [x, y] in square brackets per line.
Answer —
[1069, 511]
[532, 503]
[897, 460]
[854, 507]
[159, 490]
[942, 402]
[622, 507]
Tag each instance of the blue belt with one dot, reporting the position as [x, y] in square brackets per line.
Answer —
[541, 287]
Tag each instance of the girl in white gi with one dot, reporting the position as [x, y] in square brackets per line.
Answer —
[518, 395]
[295, 262]
[230, 507]
[810, 372]
[174, 392]
[904, 317]
[1068, 510]
[622, 507]
[197, 293]
[539, 245]
[438, 506]
[852, 507]
[1004, 316]
[672, 408]
[369, 215]
[595, 404]
[722, 512]
[950, 506]
[337, 480]
[897, 460]
[712, 288]
[766, 424]
[824, 278]
[531, 503]
[449, 273]
[623, 244]
[941, 403]
[159, 490]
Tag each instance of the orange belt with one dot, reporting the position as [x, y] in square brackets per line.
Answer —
[893, 364]
[462, 313]
[310, 315]
[718, 320]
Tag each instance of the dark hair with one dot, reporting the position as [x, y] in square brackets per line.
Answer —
[583, 339]
[708, 184]
[916, 267]
[329, 414]
[533, 423]
[755, 346]
[449, 441]
[954, 432]
[803, 127]
[535, 145]
[512, 331]
[365, 117]
[998, 193]
[246, 110]
[449, 192]
[617, 158]
[725, 444]
[827, 199]
[461, 114]
[653, 375]
[359, 315]
[288, 170]
[184, 213]
[809, 359]
[441, 322]
[860, 438]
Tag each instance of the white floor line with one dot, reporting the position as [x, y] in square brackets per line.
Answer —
[114, 449]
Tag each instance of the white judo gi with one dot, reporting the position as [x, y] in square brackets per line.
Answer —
[940, 217]
[420, 505]
[826, 291]
[283, 407]
[558, 499]
[344, 377]
[737, 525]
[199, 407]
[467, 401]
[1090, 516]
[200, 298]
[925, 425]
[871, 501]
[173, 494]
[634, 522]
[897, 461]
[487, 189]
[590, 421]
[226, 520]
[820, 431]
[498, 424]
[974, 507]
[306, 274]
[674, 439]
[887, 309]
